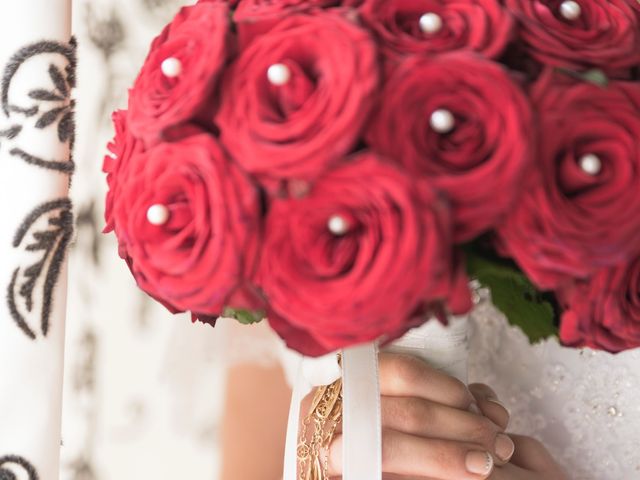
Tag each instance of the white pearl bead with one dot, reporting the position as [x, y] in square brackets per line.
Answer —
[338, 225]
[442, 121]
[591, 164]
[570, 10]
[158, 215]
[279, 74]
[171, 67]
[430, 23]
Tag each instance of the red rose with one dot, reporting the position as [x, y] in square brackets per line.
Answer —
[604, 312]
[181, 71]
[255, 17]
[298, 129]
[636, 7]
[121, 148]
[256, 10]
[604, 33]
[360, 257]
[247, 7]
[483, 26]
[188, 220]
[580, 213]
[487, 149]
[231, 3]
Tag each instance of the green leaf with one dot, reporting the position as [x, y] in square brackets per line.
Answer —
[595, 76]
[514, 295]
[245, 317]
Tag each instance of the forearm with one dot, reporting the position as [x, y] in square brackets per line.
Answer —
[254, 423]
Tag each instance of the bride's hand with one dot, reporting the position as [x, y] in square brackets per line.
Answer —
[432, 427]
[531, 460]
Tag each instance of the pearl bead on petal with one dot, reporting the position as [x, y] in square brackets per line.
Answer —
[338, 225]
[279, 74]
[171, 67]
[430, 23]
[158, 215]
[442, 121]
[570, 10]
[591, 164]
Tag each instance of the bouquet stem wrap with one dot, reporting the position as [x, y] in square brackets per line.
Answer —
[37, 61]
[443, 348]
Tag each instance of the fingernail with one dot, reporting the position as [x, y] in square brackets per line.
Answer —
[480, 463]
[473, 408]
[504, 447]
[498, 402]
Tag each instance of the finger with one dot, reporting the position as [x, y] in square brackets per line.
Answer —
[411, 456]
[513, 472]
[483, 390]
[391, 476]
[489, 404]
[407, 376]
[419, 417]
[532, 455]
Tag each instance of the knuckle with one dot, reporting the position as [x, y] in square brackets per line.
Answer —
[411, 368]
[406, 370]
[418, 414]
[461, 393]
[483, 431]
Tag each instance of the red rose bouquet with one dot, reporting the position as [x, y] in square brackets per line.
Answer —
[334, 166]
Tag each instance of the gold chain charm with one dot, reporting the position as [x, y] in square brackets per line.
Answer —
[325, 415]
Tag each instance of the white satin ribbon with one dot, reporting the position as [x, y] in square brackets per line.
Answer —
[444, 348]
[361, 424]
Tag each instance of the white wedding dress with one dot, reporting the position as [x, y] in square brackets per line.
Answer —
[584, 405]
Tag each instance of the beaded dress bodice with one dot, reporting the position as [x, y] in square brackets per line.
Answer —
[584, 405]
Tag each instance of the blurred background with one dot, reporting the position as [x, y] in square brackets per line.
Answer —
[143, 389]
